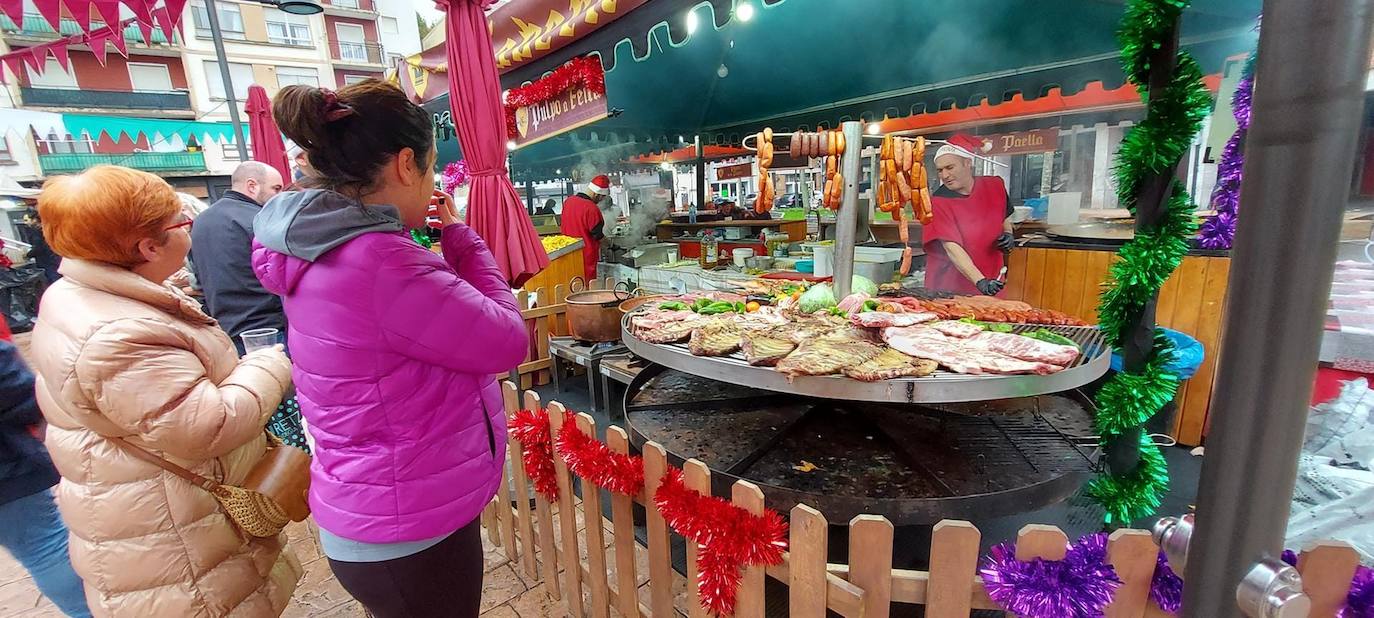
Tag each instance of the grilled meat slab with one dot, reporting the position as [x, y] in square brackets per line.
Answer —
[957, 329]
[960, 355]
[674, 331]
[767, 346]
[880, 319]
[1027, 349]
[890, 364]
[826, 356]
[716, 337]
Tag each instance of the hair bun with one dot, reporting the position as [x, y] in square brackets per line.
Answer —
[297, 110]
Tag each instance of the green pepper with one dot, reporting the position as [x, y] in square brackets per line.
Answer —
[673, 305]
[716, 307]
[700, 304]
[739, 307]
[1049, 336]
[870, 305]
[996, 327]
[837, 311]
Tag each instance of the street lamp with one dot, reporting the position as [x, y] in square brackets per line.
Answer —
[295, 7]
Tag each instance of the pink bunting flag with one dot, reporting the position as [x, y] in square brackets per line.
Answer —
[97, 41]
[165, 21]
[143, 11]
[175, 8]
[108, 10]
[14, 62]
[36, 57]
[81, 12]
[51, 10]
[146, 29]
[116, 37]
[13, 9]
[62, 54]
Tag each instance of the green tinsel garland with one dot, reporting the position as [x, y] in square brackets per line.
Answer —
[421, 239]
[1152, 149]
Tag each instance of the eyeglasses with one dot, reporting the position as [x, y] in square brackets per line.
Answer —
[186, 224]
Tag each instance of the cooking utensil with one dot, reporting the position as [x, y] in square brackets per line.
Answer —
[639, 301]
[594, 315]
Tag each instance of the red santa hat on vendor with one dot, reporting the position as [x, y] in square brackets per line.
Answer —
[966, 146]
[601, 185]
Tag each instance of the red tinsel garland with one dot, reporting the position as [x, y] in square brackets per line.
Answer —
[730, 538]
[531, 428]
[588, 458]
[585, 71]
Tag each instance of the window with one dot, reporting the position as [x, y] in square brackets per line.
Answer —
[241, 74]
[230, 20]
[290, 76]
[346, 4]
[352, 42]
[349, 80]
[65, 144]
[150, 77]
[53, 76]
[287, 29]
[390, 26]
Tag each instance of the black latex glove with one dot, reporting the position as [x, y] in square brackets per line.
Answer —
[990, 287]
[1005, 241]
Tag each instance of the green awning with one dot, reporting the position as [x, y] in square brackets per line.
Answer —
[119, 127]
[800, 63]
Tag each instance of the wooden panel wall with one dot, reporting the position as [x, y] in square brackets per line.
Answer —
[561, 271]
[1191, 302]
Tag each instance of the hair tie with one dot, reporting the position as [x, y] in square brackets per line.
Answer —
[332, 108]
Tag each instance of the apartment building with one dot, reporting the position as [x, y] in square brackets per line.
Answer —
[164, 109]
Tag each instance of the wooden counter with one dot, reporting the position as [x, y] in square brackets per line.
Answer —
[1191, 301]
[566, 264]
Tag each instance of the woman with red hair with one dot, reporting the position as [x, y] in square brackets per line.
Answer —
[120, 354]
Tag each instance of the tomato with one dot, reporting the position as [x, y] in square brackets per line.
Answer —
[751, 307]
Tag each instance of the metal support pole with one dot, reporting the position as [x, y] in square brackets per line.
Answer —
[701, 174]
[847, 220]
[1299, 154]
[229, 98]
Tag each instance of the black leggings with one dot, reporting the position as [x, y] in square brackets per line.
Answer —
[444, 581]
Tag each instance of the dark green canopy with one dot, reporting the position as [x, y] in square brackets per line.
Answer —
[808, 63]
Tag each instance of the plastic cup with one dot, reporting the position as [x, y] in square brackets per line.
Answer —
[259, 338]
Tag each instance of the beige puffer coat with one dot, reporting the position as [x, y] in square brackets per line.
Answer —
[116, 355]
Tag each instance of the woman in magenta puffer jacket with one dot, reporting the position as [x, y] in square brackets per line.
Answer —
[395, 350]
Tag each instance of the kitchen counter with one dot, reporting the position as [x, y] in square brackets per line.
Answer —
[1044, 242]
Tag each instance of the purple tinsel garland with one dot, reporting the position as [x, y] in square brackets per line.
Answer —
[1218, 232]
[455, 175]
[1166, 588]
[1079, 586]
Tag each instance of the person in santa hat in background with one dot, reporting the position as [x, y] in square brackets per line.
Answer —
[971, 231]
[582, 219]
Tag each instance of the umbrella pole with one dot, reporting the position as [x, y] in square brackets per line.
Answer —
[229, 98]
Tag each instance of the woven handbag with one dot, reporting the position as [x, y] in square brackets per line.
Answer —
[273, 495]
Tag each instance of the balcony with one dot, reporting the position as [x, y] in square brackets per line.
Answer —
[358, 54]
[106, 99]
[350, 7]
[36, 27]
[156, 162]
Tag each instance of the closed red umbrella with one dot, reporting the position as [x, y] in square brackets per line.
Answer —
[494, 208]
[268, 146]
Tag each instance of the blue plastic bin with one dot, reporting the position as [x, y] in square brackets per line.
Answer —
[1189, 353]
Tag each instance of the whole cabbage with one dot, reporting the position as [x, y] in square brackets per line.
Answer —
[863, 285]
[819, 298]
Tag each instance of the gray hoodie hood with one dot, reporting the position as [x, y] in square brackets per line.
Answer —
[307, 224]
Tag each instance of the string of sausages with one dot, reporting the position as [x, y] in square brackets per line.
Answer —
[902, 180]
[830, 145]
[764, 200]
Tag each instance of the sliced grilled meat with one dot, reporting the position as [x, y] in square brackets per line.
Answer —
[826, 356]
[765, 347]
[890, 364]
[715, 338]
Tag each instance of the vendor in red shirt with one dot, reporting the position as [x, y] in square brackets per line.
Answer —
[582, 218]
[971, 230]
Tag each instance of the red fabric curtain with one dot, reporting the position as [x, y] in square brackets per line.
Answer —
[268, 146]
[495, 211]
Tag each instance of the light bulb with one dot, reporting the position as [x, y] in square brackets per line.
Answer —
[691, 22]
[510, 145]
[722, 71]
[874, 128]
[745, 11]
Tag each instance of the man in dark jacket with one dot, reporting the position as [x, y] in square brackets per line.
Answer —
[221, 251]
[30, 528]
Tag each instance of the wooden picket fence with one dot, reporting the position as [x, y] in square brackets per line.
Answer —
[546, 317]
[575, 568]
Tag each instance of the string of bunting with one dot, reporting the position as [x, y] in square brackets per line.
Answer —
[584, 71]
[147, 15]
[1150, 152]
[729, 538]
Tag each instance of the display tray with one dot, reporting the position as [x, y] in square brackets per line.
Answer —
[940, 387]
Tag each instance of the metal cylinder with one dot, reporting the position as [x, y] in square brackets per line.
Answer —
[1305, 123]
[847, 220]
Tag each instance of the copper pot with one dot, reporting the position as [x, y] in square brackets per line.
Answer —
[594, 315]
[639, 301]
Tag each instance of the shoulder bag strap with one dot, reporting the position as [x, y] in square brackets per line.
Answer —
[141, 453]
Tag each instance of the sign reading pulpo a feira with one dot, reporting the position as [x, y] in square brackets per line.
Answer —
[576, 107]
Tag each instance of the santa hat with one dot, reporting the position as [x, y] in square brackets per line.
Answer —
[961, 146]
[601, 185]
